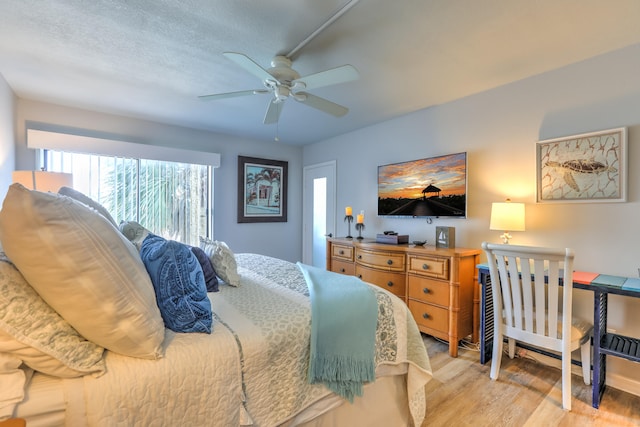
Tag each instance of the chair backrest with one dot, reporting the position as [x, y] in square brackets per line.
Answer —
[525, 282]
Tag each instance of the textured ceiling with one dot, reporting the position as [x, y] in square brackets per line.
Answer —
[151, 59]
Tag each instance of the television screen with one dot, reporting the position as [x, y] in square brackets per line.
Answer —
[431, 187]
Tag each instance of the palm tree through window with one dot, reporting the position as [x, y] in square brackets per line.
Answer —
[169, 198]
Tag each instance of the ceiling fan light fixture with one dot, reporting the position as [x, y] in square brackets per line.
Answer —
[282, 93]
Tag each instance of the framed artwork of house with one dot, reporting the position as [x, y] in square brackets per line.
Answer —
[589, 167]
[262, 190]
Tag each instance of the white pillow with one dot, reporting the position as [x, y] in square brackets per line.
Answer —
[223, 260]
[82, 198]
[34, 333]
[84, 268]
[133, 231]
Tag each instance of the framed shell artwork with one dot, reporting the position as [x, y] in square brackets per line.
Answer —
[589, 167]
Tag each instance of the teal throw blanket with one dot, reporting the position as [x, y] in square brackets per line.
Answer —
[344, 315]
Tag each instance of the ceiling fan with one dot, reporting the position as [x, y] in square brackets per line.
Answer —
[284, 82]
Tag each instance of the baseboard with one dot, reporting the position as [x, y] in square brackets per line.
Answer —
[620, 382]
[614, 380]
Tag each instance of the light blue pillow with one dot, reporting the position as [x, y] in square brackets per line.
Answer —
[179, 284]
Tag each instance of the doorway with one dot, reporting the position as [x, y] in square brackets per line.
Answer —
[318, 211]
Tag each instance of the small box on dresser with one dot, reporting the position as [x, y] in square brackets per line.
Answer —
[392, 239]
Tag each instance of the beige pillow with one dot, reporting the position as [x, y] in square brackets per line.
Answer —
[82, 198]
[13, 380]
[84, 268]
[34, 333]
[223, 260]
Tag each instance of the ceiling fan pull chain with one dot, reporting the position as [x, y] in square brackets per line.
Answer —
[278, 125]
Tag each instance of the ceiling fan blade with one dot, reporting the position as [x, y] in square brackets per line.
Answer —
[232, 94]
[273, 112]
[249, 65]
[321, 104]
[342, 74]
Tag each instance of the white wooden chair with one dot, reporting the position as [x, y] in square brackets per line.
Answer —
[528, 308]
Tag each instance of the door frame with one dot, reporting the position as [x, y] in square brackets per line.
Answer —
[307, 210]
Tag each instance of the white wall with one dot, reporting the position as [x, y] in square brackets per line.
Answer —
[264, 238]
[7, 136]
[499, 129]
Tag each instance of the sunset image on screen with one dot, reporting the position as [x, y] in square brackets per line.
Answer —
[427, 187]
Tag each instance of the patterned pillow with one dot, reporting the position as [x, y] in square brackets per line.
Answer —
[223, 260]
[179, 284]
[210, 278]
[133, 231]
[84, 268]
[34, 333]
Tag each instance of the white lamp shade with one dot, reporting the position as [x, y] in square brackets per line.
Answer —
[507, 216]
[43, 180]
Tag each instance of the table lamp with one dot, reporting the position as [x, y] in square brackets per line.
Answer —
[507, 216]
[43, 180]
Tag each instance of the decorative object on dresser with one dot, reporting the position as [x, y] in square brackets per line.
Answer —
[439, 285]
[445, 237]
[360, 224]
[348, 217]
[392, 238]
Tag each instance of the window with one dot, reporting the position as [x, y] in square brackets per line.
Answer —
[169, 191]
[169, 198]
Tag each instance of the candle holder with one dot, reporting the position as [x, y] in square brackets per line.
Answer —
[349, 220]
[360, 227]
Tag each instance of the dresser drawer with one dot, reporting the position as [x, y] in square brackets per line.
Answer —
[343, 267]
[430, 316]
[392, 282]
[435, 267]
[427, 290]
[389, 261]
[341, 252]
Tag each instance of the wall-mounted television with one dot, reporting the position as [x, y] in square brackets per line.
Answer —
[434, 187]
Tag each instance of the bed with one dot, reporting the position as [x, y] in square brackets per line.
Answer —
[251, 369]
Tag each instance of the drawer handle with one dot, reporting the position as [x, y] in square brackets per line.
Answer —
[389, 283]
[359, 256]
[426, 290]
[359, 276]
[425, 316]
[342, 270]
[389, 262]
[425, 266]
[341, 252]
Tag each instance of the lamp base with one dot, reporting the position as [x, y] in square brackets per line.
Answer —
[505, 237]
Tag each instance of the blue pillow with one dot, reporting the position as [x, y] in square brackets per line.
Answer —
[179, 284]
[210, 277]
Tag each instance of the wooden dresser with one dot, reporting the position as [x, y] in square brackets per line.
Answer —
[440, 286]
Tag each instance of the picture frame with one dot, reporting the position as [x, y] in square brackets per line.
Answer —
[584, 168]
[262, 190]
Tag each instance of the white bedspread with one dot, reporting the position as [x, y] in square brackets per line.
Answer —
[252, 368]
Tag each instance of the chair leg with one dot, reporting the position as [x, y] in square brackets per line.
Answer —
[585, 357]
[496, 358]
[566, 381]
[512, 348]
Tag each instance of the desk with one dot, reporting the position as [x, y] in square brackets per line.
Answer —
[603, 343]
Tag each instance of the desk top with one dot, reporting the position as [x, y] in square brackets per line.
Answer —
[599, 282]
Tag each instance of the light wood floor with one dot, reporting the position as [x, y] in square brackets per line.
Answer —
[527, 393]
